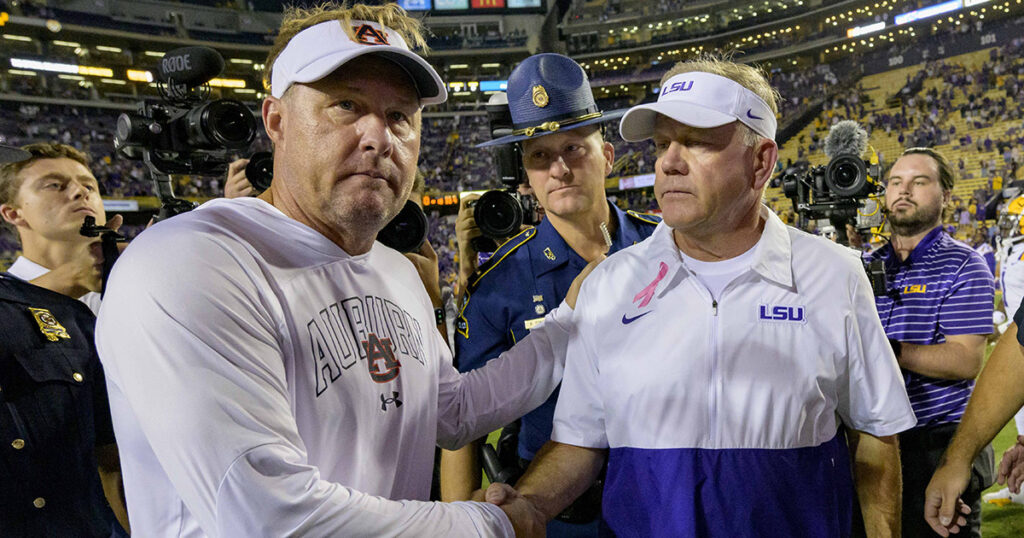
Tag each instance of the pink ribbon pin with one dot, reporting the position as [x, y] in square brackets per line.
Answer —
[648, 293]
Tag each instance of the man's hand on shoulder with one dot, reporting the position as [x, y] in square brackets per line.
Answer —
[577, 283]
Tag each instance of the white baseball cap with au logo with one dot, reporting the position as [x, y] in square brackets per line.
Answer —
[318, 50]
[702, 100]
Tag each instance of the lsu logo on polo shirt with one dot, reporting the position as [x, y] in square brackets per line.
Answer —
[914, 288]
[781, 314]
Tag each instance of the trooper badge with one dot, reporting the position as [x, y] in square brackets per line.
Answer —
[48, 325]
[540, 96]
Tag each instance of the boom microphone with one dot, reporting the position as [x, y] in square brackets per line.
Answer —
[190, 66]
[846, 138]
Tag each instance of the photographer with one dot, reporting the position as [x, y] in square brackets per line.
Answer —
[937, 314]
[566, 162]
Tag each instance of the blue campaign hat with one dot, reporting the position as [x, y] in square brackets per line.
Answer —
[549, 93]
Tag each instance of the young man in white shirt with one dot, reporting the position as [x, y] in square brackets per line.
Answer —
[46, 199]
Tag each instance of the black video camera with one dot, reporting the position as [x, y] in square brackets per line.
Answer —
[844, 191]
[841, 190]
[501, 213]
[186, 133]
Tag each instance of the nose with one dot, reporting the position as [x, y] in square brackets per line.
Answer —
[558, 169]
[78, 190]
[375, 135]
[673, 162]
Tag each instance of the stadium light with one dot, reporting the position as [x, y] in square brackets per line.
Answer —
[70, 44]
[70, 77]
[241, 61]
[105, 48]
[227, 83]
[21, 72]
[155, 54]
[137, 75]
[95, 71]
[13, 37]
[113, 81]
[44, 66]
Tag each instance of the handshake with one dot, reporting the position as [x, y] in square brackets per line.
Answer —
[527, 520]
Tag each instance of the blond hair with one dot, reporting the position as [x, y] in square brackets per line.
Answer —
[297, 19]
[9, 181]
[750, 77]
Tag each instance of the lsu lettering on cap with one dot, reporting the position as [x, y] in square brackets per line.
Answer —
[318, 50]
[701, 100]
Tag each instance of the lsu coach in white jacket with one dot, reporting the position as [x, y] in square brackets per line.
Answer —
[275, 372]
[712, 364]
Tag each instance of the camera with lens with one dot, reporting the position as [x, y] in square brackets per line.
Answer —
[501, 213]
[844, 190]
[186, 133]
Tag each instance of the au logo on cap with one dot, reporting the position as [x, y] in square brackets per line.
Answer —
[368, 35]
[540, 96]
[48, 325]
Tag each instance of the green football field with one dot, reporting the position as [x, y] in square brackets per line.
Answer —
[1002, 521]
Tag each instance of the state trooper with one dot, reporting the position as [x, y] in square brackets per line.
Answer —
[59, 458]
[566, 158]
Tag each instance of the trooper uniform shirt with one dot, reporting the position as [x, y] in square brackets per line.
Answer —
[27, 269]
[722, 416]
[53, 413]
[264, 382]
[527, 277]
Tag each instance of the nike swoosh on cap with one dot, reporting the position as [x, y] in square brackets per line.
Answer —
[752, 116]
[628, 320]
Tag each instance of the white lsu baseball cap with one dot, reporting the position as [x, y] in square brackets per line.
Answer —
[318, 50]
[702, 100]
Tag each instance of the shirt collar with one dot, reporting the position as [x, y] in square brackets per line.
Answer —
[888, 253]
[773, 259]
[26, 269]
[553, 252]
[926, 243]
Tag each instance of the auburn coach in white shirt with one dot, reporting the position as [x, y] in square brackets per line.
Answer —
[713, 363]
[273, 371]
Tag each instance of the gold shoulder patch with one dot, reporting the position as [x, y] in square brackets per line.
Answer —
[645, 217]
[48, 325]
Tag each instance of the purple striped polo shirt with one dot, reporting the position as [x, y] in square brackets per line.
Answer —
[943, 288]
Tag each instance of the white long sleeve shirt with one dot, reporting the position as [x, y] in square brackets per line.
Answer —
[265, 383]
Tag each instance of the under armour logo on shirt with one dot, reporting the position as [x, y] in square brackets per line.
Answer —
[384, 402]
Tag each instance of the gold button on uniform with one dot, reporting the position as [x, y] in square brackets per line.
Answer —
[77, 377]
[39, 502]
[18, 444]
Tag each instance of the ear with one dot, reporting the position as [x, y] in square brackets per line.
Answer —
[947, 197]
[609, 155]
[11, 214]
[272, 110]
[766, 153]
